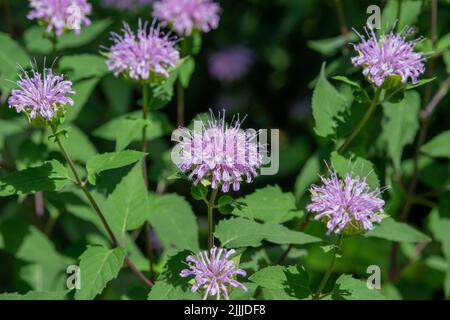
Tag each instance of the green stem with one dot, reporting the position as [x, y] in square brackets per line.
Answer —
[144, 129]
[95, 206]
[330, 267]
[147, 226]
[375, 102]
[211, 203]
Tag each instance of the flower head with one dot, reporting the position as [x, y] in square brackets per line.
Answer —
[41, 96]
[148, 53]
[231, 64]
[184, 16]
[61, 15]
[221, 153]
[389, 55]
[347, 205]
[127, 4]
[215, 273]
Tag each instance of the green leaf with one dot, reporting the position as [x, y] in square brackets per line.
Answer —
[127, 205]
[443, 43]
[174, 222]
[83, 91]
[225, 204]
[46, 267]
[269, 204]
[170, 286]
[358, 166]
[419, 83]
[98, 266]
[328, 105]
[392, 230]
[330, 46]
[52, 176]
[347, 81]
[11, 55]
[36, 39]
[109, 161]
[241, 232]
[349, 288]
[290, 282]
[157, 126]
[83, 66]
[439, 146]
[440, 228]
[185, 71]
[34, 295]
[400, 125]
[199, 192]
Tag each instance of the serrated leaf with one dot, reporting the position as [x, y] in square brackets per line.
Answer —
[45, 267]
[358, 166]
[51, 176]
[439, 146]
[400, 125]
[127, 206]
[392, 230]
[174, 222]
[98, 266]
[269, 204]
[11, 55]
[327, 105]
[81, 66]
[199, 192]
[170, 286]
[283, 282]
[349, 288]
[241, 232]
[109, 161]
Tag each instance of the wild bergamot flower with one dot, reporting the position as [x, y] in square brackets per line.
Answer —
[347, 206]
[41, 96]
[389, 55]
[214, 273]
[144, 55]
[185, 16]
[223, 154]
[61, 15]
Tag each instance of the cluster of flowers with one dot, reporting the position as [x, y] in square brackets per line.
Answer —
[221, 153]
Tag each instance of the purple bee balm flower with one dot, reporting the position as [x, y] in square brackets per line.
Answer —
[127, 4]
[185, 16]
[389, 55]
[215, 274]
[347, 205]
[142, 56]
[220, 153]
[231, 64]
[61, 15]
[41, 95]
